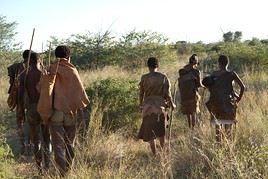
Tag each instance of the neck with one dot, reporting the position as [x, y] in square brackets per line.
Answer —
[153, 70]
[190, 65]
[223, 68]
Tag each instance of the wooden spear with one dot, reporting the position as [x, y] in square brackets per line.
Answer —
[49, 54]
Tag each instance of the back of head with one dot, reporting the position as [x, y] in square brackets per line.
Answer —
[193, 59]
[62, 51]
[26, 54]
[34, 58]
[223, 60]
[152, 62]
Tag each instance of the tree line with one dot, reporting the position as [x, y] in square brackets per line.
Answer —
[96, 50]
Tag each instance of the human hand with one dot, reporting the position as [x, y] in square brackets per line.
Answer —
[238, 99]
[140, 108]
[173, 106]
[82, 124]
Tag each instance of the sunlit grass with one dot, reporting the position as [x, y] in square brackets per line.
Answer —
[194, 154]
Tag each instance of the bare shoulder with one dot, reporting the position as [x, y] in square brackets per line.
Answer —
[196, 72]
[144, 76]
[233, 73]
[162, 74]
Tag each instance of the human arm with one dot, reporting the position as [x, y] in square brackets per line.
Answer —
[167, 93]
[81, 117]
[198, 80]
[238, 80]
[141, 95]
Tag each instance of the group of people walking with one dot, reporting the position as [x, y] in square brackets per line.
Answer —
[60, 83]
[155, 98]
[53, 100]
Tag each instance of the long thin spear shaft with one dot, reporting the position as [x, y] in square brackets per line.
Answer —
[49, 54]
[171, 115]
[42, 52]
[27, 70]
[29, 56]
[28, 60]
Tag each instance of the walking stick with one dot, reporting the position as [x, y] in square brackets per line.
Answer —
[27, 66]
[171, 116]
[24, 85]
[49, 54]
[200, 120]
[29, 56]
[169, 130]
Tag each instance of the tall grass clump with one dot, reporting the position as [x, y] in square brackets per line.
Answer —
[117, 100]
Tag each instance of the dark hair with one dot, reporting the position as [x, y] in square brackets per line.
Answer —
[62, 51]
[152, 62]
[192, 59]
[34, 58]
[25, 54]
[223, 60]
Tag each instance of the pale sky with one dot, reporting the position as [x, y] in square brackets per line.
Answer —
[189, 20]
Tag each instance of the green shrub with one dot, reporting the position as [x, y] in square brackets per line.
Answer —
[241, 55]
[117, 100]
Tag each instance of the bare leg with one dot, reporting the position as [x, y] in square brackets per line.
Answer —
[20, 128]
[58, 144]
[193, 120]
[152, 145]
[46, 144]
[189, 120]
[69, 142]
[228, 131]
[162, 142]
[218, 133]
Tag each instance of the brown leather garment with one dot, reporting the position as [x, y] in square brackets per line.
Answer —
[69, 93]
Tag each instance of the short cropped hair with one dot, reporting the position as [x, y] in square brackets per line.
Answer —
[62, 51]
[152, 62]
[192, 59]
[223, 60]
[25, 54]
[34, 58]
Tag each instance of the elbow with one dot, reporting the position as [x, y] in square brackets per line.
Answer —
[243, 87]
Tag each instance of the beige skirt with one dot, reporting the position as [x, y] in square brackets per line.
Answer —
[190, 106]
[152, 127]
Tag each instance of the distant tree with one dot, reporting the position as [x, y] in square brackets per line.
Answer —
[264, 41]
[183, 48]
[237, 36]
[7, 34]
[198, 47]
[254, 41]
[135, 47]
[228, 37]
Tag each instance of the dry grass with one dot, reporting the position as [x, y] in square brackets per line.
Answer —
[194, 154]
[3, 93]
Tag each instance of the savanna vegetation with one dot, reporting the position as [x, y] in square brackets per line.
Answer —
[110, 68]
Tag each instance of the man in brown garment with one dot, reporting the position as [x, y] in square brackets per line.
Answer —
[15, 72]
[189, 82]
[223, 100]
[37, 129]
[155, 97]
[69, 99]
